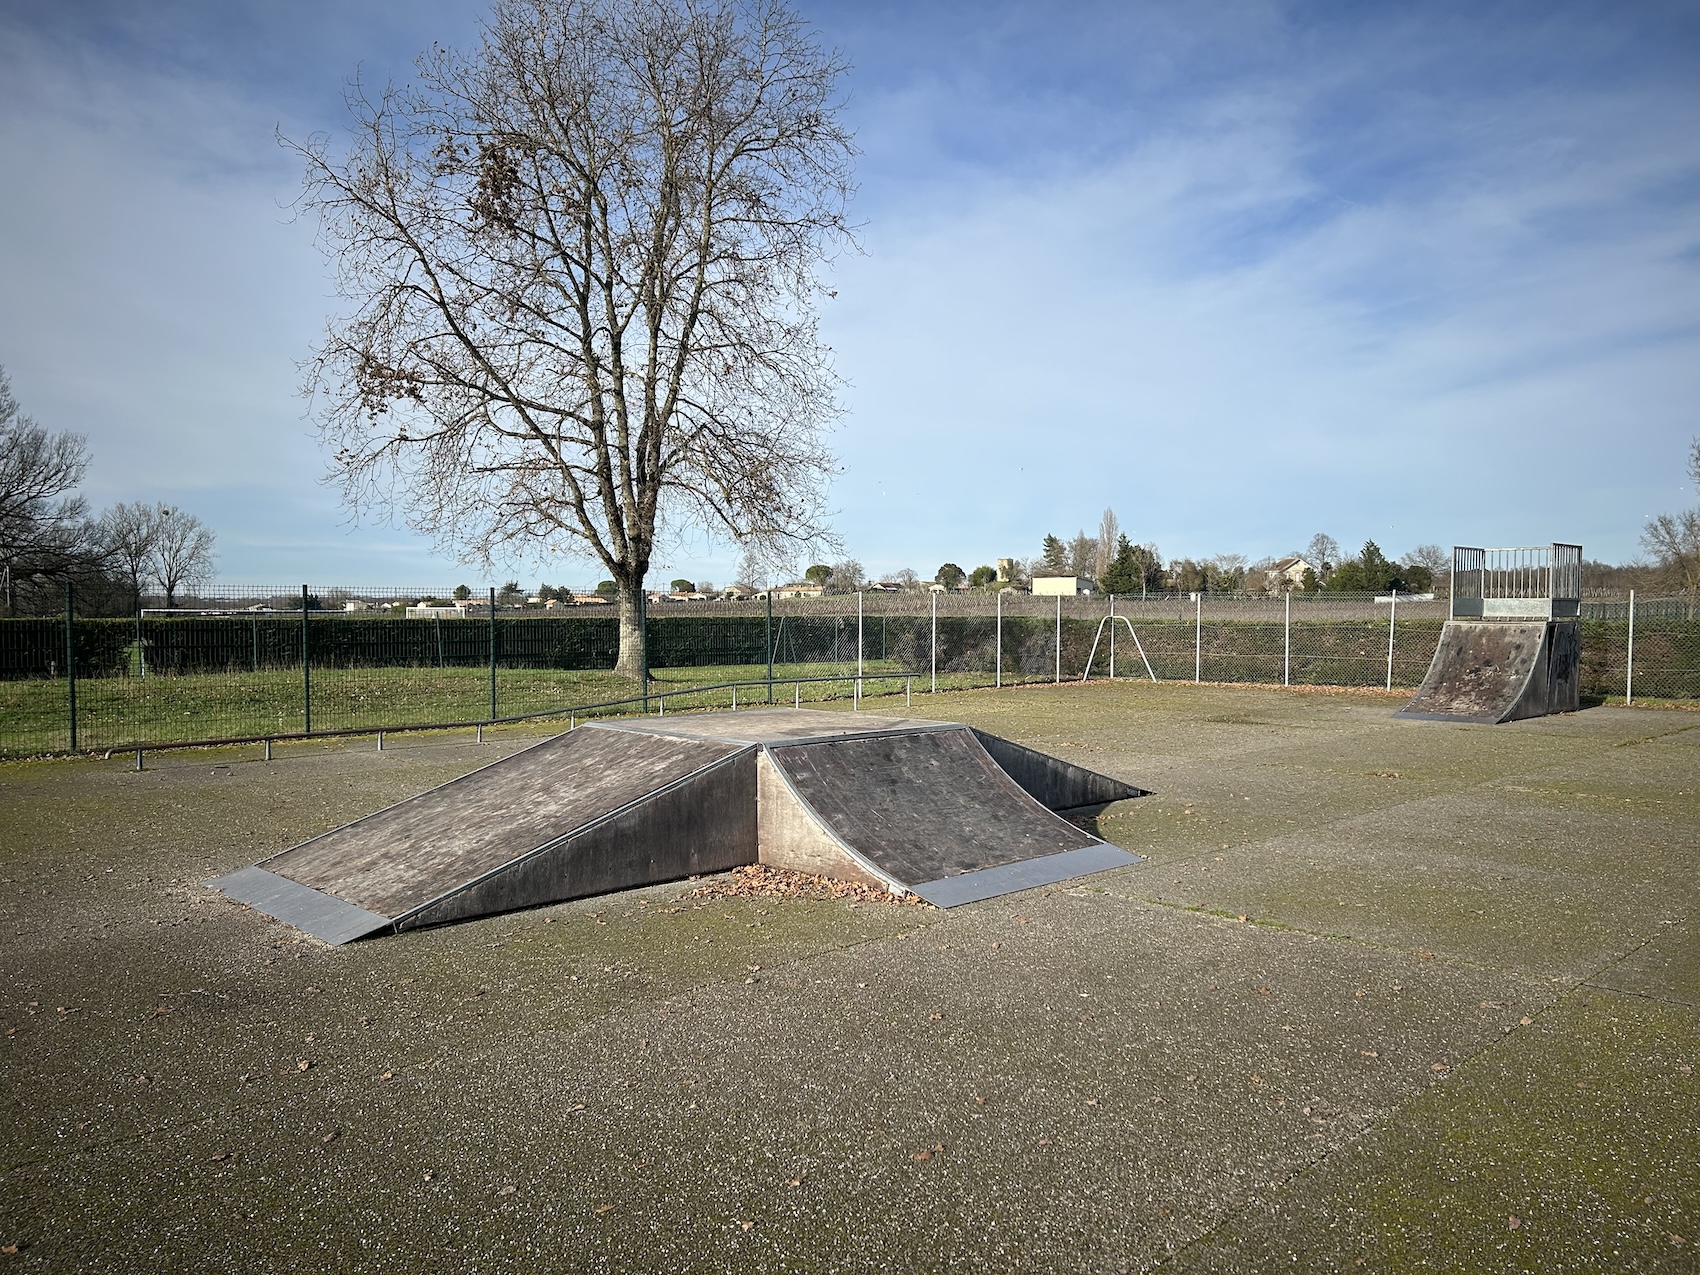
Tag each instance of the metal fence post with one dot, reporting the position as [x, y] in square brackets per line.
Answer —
[1392, 614]
[1629, 668]
[492, 654]
[71, 659]
[997, 676]
[306, 669]
[858, 641]
[1287, 643]
[1112, 637]
[643, 645]
[1198, 637]
[1059, 639]
[935, 643]
[769, 596]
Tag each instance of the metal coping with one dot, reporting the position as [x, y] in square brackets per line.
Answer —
[322, 915]
[1024, 874]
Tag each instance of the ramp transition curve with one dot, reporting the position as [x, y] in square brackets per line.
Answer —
[1500, 671]
[936, 808]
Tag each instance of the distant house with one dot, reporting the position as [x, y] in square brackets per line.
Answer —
[436, 611]
[802, 589]
[1062, 586]
[1291, 571]
[739, 593]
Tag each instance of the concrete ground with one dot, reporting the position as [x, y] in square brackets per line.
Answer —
[1388, 995]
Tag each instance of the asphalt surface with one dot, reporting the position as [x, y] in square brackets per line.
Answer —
[1387, 995]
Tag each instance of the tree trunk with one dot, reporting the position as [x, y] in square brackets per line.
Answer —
[631, 662]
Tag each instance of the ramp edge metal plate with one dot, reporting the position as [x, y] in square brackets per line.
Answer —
[322, 915]
[1008, 878]
[1480, 719]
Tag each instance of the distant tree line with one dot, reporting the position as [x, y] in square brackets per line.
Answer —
[48, 538]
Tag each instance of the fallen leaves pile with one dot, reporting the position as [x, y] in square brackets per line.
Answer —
[758, 881]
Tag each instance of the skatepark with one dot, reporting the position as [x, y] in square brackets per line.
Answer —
[1382, 994]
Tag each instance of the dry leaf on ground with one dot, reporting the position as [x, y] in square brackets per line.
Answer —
[758, 881]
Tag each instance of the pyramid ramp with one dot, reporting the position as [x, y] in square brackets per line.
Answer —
[900, 803]
[1489, 671]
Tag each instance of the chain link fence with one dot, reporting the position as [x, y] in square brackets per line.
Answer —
[251, 663]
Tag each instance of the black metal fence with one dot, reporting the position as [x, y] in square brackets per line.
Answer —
[273, 662]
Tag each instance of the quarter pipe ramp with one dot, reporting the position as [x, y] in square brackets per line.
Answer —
[1493, 671]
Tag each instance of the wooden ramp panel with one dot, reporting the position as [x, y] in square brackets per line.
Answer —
[1480, 672]
[703, 823]
[398, 860]
[928, 809]
[1052, 782]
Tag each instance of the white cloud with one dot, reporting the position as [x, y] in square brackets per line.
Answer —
[1444, 360]
[1407, 277]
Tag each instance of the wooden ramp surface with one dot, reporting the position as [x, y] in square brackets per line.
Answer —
[934, 813]
[1490, 671]
[401, 858]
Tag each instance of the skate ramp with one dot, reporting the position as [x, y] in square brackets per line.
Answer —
[583, 813]
[899, 803]
[932, 813]
[1500, 671]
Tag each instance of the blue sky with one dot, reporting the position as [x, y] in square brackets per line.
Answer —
[1241, 271]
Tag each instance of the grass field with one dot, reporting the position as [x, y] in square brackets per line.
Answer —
[112, 712]
[116, 711]
[1384, 996]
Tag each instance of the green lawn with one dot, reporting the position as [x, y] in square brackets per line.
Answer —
[124, 711]
[119, 712]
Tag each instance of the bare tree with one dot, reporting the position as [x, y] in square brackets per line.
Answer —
[1083, 555]
[1226, 572]
[1674, 539]
[43, 522]
[1323, 554]
[1109, 533]
[753, 572]
[846, 577]
[582, 261]
[1436, 559]
[128, 534]
[182, 552]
